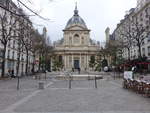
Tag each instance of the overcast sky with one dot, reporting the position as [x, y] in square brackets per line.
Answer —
[97, 14]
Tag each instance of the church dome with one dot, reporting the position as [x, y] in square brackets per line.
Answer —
[76, 20]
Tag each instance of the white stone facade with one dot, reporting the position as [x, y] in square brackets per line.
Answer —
[142, 15]
[76, 47]
[12, 45]
[141, 3]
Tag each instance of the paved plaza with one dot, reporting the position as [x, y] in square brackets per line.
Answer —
[83, 97]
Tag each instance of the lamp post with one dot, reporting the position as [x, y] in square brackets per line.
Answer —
[114, 71]
[95, 82]
[18, 76]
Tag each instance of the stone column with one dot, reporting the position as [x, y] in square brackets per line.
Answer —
[72, 61]
[80, 60]
[65, 61]
[69, 65]
[67, 57]
[87, 62]
[51, 64]
[68, 61]
[80, 39]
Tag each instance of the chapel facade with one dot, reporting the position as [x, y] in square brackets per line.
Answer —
[76, 47]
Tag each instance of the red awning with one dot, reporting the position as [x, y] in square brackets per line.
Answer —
[144, 63]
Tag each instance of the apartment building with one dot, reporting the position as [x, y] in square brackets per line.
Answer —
[13, 44]
[141, 15]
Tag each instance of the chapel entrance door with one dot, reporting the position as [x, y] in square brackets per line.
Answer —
[76, 64]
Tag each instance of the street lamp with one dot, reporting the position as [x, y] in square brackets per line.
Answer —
[114, 71]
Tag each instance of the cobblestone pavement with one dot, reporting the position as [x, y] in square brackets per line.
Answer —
[83, 97]
[9, 93]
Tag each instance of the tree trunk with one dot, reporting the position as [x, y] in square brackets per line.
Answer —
[129, 54]
[42, 65]
[140, 54]
[46, 61]
[18, 64]
[3, 61]
[27, 62]
[18, 58]
[33, 66]
[39, 62]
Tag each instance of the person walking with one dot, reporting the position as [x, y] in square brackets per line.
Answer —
[12, 73]
[79, 70]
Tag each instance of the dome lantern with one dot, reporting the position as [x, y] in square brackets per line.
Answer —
[76, 11]
[76, 20]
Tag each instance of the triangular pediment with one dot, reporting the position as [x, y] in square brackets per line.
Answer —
[76, 27]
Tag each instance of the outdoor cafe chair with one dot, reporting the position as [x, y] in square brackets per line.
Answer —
[125, 83]
[130, 84]
[141, 87]
[135, 85]
[146, 88]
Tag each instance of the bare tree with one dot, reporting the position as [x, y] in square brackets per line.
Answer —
[31, 10]
[133, 33]
[45, 49]
[139, 34]
[126, 40]
[36, 38]
[42, 53]
[19, 39]
[7, 29]
[27, 42]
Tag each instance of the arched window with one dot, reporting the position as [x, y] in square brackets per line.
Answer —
[76, 39]
[76, 35]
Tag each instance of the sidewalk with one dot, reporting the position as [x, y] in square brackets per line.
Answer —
[83, 97]
[109, 97]
[9, 93]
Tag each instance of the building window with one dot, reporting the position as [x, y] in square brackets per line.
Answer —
[13, 55]
[143, 51]
[146, 11]
[148, 50]
[22, 59]
[147, 27]
[13, 43]
[76, 39]
[14, 33]
[1, 53]
[148, 39]
[9, 43]
[8, 55]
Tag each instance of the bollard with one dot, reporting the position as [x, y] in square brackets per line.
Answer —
[41, 85]
[69, 82]
[95, 82]
[114, 75]
[88, 77]
[45, 76]
[18, 83]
